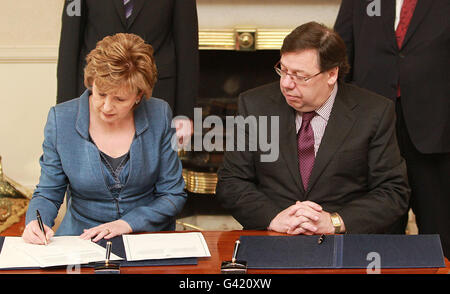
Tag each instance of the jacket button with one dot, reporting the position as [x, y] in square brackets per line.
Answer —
[401, 55]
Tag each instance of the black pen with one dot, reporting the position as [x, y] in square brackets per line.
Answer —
[321, 239]
[41, 224]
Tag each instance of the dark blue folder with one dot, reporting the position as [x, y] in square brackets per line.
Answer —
[341, 251]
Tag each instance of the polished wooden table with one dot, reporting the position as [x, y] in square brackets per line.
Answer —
[221, 245]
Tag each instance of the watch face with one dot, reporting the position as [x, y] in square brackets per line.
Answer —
[335, 220]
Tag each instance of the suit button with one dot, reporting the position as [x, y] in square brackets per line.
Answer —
[401, 55]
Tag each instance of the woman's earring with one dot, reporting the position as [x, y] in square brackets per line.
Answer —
[137, 101]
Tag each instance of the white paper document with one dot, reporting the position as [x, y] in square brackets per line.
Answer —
[165, 245]
[60, 251]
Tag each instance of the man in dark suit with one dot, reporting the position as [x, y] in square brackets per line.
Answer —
[339, 168]
[170, 26]
[403, 53]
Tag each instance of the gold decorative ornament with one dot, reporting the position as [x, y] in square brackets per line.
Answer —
[200, 182]
[246, 40]
[14, 200]
[225, 39]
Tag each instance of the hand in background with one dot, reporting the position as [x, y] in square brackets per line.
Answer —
[184, 129]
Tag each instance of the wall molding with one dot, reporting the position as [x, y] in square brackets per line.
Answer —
[28, 54]
[266, 39]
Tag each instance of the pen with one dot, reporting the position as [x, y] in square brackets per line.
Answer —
[108, 252]
[41, 224]
[236, 247]
[321, 239]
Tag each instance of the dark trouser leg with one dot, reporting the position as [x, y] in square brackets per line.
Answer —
[429, 178]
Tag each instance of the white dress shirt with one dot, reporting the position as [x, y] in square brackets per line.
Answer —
[398, 9]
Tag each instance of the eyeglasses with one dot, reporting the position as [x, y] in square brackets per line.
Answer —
[298, 80]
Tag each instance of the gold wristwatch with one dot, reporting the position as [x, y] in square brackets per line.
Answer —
[336, 222]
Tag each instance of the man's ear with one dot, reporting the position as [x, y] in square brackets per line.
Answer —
[333, 75]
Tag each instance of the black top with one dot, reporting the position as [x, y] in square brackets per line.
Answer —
[114, 162]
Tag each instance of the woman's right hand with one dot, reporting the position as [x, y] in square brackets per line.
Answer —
[33, 234]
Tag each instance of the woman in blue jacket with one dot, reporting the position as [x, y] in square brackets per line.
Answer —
[110, 151]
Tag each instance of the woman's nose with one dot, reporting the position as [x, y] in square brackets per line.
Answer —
[108, 104]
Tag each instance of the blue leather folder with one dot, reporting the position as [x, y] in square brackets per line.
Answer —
[341, 251]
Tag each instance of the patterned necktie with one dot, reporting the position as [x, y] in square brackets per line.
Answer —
[405, 19]
[305, 147]
[128, 5]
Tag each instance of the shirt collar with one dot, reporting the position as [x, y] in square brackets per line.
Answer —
[323, 111]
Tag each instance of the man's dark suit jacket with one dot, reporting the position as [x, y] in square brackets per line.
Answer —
[358, 171]
[420, 67]
[170, 26]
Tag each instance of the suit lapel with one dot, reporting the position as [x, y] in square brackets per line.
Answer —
[388, 18]
[288, 141]
[141, 124]
[419, 13]
[120, 11]
[137, 7]
[82, 127]
[339, 125]
[96, 165]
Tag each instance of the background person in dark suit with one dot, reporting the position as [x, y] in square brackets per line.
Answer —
[344, 175]
[404, 54]
[170, 26]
